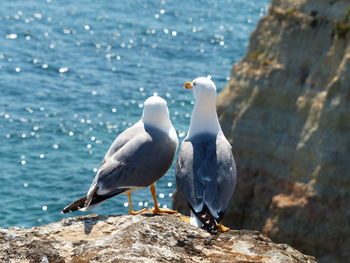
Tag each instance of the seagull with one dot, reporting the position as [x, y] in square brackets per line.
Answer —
[205, 169]
[137, 158]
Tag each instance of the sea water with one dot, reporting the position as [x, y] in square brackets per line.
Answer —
[75, 74]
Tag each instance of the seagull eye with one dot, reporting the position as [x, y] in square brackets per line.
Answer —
[194, 83]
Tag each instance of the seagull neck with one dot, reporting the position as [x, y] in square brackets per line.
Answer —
[161, 122]
[204, 119]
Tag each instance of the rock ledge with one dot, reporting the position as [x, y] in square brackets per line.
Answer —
[141, 238]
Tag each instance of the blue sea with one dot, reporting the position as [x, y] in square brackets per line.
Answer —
[75, 74]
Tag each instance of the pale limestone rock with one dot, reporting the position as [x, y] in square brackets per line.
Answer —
[142, 238]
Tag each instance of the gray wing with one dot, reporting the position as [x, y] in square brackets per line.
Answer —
[137, 158]
[206, 173]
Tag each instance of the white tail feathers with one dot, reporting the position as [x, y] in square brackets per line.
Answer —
[90, 207]
[194, 221]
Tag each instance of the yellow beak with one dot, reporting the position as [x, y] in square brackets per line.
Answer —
[188, 85]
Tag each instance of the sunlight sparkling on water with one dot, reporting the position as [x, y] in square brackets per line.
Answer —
[75, 74]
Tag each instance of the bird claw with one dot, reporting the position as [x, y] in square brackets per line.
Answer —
[163, 210]
[137, 212]
[185, 218]
[223, 228]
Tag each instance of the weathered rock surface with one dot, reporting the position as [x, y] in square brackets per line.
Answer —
[142, 238]
[286, 111]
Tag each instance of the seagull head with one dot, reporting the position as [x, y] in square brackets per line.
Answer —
[155, 112]
[203, 88]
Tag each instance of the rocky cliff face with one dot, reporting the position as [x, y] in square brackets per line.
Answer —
[286, 111]
[142, 238]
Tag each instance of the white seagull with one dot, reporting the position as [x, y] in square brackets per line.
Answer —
[137, 158]
[206, 169]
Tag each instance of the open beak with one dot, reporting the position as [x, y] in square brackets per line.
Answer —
[188, 85]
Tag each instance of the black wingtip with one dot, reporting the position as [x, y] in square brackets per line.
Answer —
[80, 203]
[210, 224]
